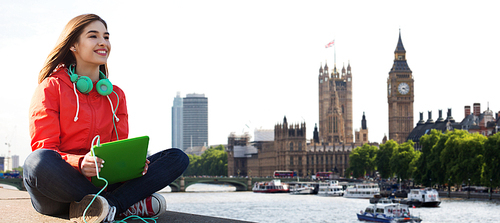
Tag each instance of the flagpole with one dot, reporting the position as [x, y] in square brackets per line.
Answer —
[334, 54]
[334, 51]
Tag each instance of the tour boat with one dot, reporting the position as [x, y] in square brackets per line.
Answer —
[274, 186]
[330, 188]
[427, 197]
[386, 211]
[361, 190]
[303, 188]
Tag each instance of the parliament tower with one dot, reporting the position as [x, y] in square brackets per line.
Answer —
[335, 105]
[400, 94]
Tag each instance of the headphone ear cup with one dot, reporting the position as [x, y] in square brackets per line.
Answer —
[104, 87]
[84, 84]
[73, 77]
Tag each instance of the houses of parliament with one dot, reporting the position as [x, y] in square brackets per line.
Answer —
[287, 148]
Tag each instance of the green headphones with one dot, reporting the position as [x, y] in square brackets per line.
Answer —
[84, 84]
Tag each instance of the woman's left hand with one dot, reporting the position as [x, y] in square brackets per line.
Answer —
[146, 167]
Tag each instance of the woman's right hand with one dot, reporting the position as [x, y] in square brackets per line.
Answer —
[87, 166]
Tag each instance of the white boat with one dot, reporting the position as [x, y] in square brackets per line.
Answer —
[386, 211]
[303, 188]
[274, 186]
[330, 188]
[427, 197]
[361, 190]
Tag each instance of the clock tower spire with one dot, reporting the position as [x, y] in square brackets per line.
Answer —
[400, 96]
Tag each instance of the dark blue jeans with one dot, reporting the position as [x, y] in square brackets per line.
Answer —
[53, 184]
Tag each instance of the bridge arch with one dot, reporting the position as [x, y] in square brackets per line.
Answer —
[15, 182]
[240, 185]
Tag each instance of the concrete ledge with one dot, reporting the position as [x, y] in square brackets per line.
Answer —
[15, 206]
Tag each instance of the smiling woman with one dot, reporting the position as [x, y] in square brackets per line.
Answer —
[73, 105]
[91, 49]
[71, 36]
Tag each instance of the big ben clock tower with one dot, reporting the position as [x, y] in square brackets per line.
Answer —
[400, 95]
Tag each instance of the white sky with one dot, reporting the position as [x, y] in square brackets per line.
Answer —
[258, 61]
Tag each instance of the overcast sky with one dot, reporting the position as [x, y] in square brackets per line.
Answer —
[258, 61]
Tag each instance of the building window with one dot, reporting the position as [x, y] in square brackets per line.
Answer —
[291, 146]
[291, 161]
[300, 160]
[300, 146]
[334, 124]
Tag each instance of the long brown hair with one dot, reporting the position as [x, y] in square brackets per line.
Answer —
[61, 54]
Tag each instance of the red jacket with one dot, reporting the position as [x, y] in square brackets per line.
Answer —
[52, 114]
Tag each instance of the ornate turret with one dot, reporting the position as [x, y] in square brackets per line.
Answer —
[363, 122]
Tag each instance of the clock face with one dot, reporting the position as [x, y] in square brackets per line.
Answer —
[403, 88]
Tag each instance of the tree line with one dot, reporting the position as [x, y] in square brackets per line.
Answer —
[451, 158]
[213, 162]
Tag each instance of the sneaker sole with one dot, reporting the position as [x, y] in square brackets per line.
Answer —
[95, 213]
[162, 202]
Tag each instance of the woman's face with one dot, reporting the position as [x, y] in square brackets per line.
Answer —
[93, 46]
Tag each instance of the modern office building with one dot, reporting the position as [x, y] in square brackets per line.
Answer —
[15, 161]
[190, 121]
[177, 122]
[2, 163]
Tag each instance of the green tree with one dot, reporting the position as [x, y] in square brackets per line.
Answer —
[403, 156]
[491, 160]
[463, 156]
[192, 169]
[435, 165]
[449, 154]
[383, 159]
[362, 160]
[428, 163]
[212, 162]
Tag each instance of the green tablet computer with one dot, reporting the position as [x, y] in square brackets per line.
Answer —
[124, 160]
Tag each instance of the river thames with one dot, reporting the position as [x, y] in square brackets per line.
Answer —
[222, 201]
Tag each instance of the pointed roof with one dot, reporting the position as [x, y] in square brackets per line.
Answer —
[400, 47]
[400, 65]
[363, 122]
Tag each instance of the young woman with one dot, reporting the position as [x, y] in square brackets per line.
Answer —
[73, 103]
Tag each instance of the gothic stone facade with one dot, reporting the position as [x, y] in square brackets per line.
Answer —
[290, 151]
[335, 105]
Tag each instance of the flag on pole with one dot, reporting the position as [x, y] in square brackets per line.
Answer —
[330, 44]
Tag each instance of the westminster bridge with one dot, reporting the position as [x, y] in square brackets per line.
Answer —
[181, 183]
[245, 184]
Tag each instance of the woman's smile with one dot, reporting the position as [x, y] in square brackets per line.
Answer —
[102, 52]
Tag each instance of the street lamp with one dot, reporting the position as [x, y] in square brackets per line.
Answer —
[491, 188]
[449, 186]
[468, 191]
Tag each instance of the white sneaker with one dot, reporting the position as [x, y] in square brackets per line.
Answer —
[98, 211]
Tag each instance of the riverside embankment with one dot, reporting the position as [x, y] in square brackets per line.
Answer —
[15, 206]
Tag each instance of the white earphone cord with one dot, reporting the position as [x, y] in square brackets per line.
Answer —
[112, 109]
[77, 103]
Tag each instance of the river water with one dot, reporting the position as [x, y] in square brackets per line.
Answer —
[222, 201]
